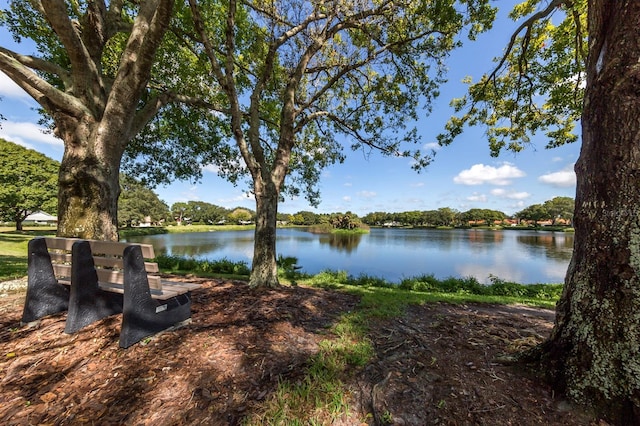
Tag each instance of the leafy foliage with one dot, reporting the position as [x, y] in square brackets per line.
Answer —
[138, 203]
[554, 209]
[28, 182]
[451, 285]
[537, 85]
[320, 70]
[198, 212]
[185, 264]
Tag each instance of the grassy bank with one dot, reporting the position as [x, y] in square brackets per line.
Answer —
[13, 250]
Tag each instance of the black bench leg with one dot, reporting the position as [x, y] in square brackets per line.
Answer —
[44, 295]
[87, 302]
[143, 316]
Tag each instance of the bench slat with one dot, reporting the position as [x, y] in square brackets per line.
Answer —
[117, 248]
[99, 247]
[163, 294]
[181, 285]
[108, 276]
[110, 262]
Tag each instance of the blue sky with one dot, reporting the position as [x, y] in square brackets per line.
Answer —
[463, 175]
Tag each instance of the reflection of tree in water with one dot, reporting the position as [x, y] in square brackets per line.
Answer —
[554, 246]
[181, 245]
[483, 236]
[341, 242]
[195, 250]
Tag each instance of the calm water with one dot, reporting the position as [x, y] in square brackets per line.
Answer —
[521, 256]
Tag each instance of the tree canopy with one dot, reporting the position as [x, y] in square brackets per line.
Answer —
[303, 79]
[28, 182]
[537, 85]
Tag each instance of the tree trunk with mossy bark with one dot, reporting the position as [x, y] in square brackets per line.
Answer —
[88, 190]
[593, 353]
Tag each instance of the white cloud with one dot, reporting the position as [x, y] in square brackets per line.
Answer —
[435, 146]
[11, 90]
[237, 198]
[482, 198]
[366, 194]
[565, 178]
[212, 168]
[417, 185]
[557, 159]
[26, 134]
[512, 195]
[346, 198]
[479, 174]
[348, 184]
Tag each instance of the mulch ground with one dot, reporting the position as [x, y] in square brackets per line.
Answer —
[434, 365]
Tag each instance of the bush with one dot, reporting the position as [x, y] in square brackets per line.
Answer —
[364, 280]
[470, 285]
[188, 264]
[420, 283]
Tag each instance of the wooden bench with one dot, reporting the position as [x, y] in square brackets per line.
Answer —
[95, 279]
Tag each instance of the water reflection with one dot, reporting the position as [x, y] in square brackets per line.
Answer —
[522, 256]
[339, 242]
[200, 244]
[551, 245]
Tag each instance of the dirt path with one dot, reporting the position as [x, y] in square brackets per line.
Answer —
[435, 365]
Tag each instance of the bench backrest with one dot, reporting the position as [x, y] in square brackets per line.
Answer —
[107, 257]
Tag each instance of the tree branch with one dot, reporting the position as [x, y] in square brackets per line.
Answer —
[39, 64]
[155, 104]
[82, 65]
[49, 97]
[528, 24]
[137, 59]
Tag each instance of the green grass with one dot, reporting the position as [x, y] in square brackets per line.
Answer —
[319, 396]
[13, 250]
[427, 288]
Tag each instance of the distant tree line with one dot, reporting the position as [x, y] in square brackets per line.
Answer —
[558, 210]
[28, 184]
[200, 212]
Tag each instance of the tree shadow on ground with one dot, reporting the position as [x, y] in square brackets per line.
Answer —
[215, 370]
[13, 266]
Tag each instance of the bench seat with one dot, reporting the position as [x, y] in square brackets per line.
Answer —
[94, 279]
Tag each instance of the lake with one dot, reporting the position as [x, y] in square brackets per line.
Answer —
[521, 256]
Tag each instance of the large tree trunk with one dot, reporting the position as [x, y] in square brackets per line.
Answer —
[88, 195]
[264, 270]
[594, 351]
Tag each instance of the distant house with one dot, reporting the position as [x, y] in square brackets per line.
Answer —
[41, 218]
